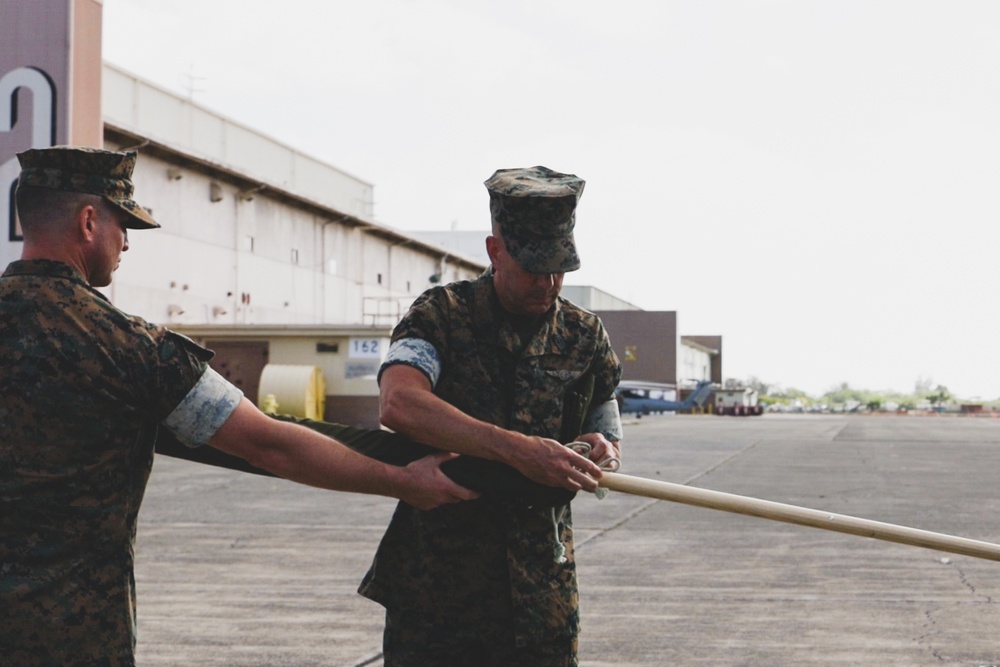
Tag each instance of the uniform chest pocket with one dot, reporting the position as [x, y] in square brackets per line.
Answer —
[540, 394]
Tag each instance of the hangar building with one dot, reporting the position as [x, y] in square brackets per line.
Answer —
[267, 255]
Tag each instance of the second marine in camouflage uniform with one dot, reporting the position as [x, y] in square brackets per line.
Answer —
[490, 572]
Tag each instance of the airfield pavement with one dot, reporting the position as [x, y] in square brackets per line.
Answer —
[237, 570]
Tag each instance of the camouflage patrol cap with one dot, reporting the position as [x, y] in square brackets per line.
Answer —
[92, 171]
[535, 210]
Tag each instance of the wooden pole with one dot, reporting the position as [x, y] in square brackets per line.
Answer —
[766, 509]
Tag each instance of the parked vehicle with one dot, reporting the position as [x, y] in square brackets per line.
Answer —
[737, 402]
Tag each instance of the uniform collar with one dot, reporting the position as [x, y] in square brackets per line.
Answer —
[45, 267]
[541, 343]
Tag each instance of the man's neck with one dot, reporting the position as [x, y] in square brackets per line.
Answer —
[56, 252]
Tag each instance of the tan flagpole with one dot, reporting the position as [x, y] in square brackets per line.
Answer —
[802, 516]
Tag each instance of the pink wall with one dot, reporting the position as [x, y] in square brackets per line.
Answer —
[50, 89]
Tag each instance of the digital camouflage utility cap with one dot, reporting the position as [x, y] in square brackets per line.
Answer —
[535, 210]
[92, 171]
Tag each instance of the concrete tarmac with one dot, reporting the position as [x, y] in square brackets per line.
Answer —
[242, 571]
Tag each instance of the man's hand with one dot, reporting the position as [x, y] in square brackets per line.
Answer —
[548, 462]
[426, 486]
[409, 406]
[601, 449]
[302, 455]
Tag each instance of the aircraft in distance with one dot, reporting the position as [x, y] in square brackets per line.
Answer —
[643, 398]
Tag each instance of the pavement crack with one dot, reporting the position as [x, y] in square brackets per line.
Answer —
[930, 631]
[370, 660]
[719, 464]
[625, 519]
[965, 581]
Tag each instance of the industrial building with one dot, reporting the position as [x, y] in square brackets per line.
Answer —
[267, 255]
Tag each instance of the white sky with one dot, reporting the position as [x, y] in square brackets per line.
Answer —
[816, 181]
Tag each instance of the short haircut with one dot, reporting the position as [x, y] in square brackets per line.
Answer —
[39, 208]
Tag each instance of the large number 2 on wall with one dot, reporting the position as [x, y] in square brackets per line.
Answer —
[43, 128]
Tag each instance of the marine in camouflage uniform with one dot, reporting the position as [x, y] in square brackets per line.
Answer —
[82, 391]
[492, 582]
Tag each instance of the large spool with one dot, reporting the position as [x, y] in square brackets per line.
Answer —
[286, 389]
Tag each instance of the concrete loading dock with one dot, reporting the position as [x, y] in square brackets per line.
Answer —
[237, 570]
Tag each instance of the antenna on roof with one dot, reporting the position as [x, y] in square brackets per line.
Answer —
[190, 83]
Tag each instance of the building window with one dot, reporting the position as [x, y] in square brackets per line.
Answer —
[248, 243]
[380, 279]
[295, 255]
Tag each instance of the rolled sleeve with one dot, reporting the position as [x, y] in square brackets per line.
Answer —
[606, 420]
[204, 410]
[417, 353]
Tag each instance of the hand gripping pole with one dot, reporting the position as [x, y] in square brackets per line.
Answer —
[802, 516]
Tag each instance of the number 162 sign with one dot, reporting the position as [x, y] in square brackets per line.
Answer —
[365, 348]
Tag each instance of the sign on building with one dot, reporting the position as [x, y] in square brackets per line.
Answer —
[50, 90]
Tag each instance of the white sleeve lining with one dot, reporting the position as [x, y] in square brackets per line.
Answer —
[204, 410]
[605, 419]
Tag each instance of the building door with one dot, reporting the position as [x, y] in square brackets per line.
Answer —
[240, 362]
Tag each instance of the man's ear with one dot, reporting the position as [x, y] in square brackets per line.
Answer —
[492, 248]
[86, 222]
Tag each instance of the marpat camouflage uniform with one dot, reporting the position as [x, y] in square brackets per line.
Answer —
[82, 389]
[487, 571]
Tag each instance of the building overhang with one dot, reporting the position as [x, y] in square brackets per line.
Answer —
[132, 140]
[258, 332]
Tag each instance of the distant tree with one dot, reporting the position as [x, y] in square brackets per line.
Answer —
[843, 393]
[792, 392]
[940, 396]
[761, 387]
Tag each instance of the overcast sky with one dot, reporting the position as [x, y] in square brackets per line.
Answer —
[815, 181]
